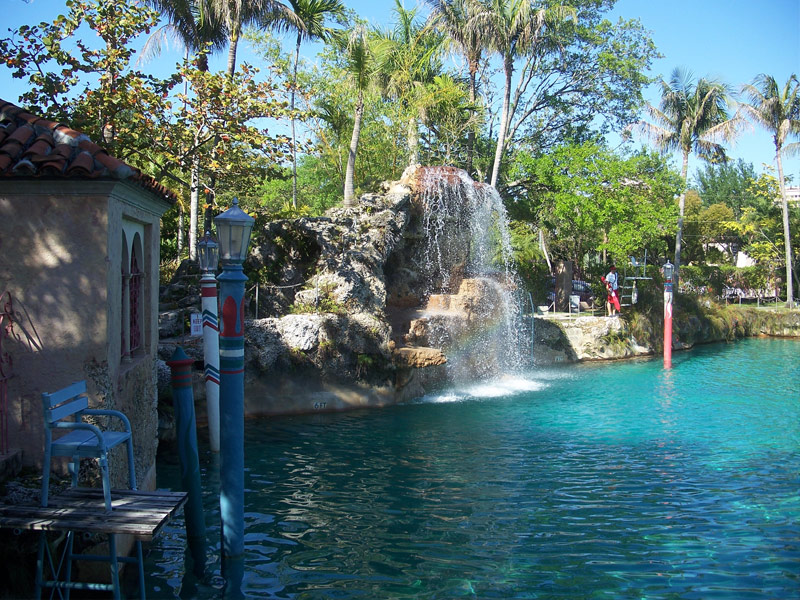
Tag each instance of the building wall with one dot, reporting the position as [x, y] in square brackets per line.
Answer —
[133, 212]
[61, 247]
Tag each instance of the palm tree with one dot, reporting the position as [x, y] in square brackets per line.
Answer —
[455, 19]
[235, 14]
[194, 25]
[360, 69]
[692, 117]
[191, 23]
[777, 109]
[308, 22]
[513, 28]
[408, 60]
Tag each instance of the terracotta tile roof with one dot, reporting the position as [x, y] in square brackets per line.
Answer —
[34, 147]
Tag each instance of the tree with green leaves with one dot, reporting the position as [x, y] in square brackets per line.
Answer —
[141, 119]
[191, 23]
[580, 75]
[409, 59]
[236, 14]
[454, 19]
[308, 21]
[693, 116]
[726, 182]
[199, 31]
[760, 227]
[446, 115]
[587, 199]
[777, 109]
[106, 109]
[513, 28]
[360, 69]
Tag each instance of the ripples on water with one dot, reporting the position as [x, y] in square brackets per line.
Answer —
[589, 481]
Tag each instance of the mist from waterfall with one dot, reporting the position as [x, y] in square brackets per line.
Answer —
[473, 306]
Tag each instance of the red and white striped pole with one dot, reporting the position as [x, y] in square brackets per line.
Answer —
[668, 269]
[208, 256]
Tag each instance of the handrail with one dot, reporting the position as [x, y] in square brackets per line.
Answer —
[533, 314]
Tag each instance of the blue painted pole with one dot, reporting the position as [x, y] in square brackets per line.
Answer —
[231, 361]
[183, 403]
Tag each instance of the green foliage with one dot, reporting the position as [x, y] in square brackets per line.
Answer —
[711, 279]
[707, 279]
[692, 116]
[90, 87]
[529, 260]
[589, 199]
[326, 303]
[218, 126]
[315, 193]
[727, 183]
[760, 227]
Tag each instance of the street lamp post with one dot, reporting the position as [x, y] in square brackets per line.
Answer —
[668, 271]
[208, 257]
[233, 229]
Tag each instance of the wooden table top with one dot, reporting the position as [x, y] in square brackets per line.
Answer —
[136, 513]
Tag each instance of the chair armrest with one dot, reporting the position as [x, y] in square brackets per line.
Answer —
[88, 426]
[109, 413]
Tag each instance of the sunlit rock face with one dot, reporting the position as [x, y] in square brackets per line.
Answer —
[451, 285]
[410, 290]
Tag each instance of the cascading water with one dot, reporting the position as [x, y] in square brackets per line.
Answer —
[472, 311]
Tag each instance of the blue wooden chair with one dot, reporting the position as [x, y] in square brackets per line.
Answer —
[64, 411]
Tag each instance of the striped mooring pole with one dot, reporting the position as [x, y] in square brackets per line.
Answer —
[183, 403]
[208, 288]
[668, 272]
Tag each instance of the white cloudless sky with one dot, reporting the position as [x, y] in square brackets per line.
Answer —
[730, 40]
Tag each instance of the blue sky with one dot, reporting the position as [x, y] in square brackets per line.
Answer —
[731, 40]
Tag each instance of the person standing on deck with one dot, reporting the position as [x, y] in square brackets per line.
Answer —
[612, 283]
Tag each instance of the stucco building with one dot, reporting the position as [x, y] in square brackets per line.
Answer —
[79, 257]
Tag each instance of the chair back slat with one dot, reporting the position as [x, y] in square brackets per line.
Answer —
[66, 409]
[64, 394]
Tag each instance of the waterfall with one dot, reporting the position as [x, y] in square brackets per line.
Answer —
[473, 310]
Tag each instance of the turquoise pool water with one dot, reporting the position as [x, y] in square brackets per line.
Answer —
[591, 481]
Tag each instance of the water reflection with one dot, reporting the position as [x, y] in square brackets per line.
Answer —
[613, 481]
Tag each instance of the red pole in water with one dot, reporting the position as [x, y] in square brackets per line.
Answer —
[668, 268]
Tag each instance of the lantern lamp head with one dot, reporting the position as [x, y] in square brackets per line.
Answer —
[669, 268]
[233, 228]
[208, 253]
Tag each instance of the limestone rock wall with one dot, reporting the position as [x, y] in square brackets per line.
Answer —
[570, 339]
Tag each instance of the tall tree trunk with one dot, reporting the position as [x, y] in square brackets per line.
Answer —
[180, 229]
[501, 134]
[349, 193]
[473, 68]
[544, 251]
[194, 201]
[681, 207]
[786, 234]
[412, 135]
[232, 47]
[294, 138]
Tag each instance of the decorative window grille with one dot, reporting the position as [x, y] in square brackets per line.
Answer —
[136, 279]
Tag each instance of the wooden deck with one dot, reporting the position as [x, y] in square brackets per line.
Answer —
[140, 514]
